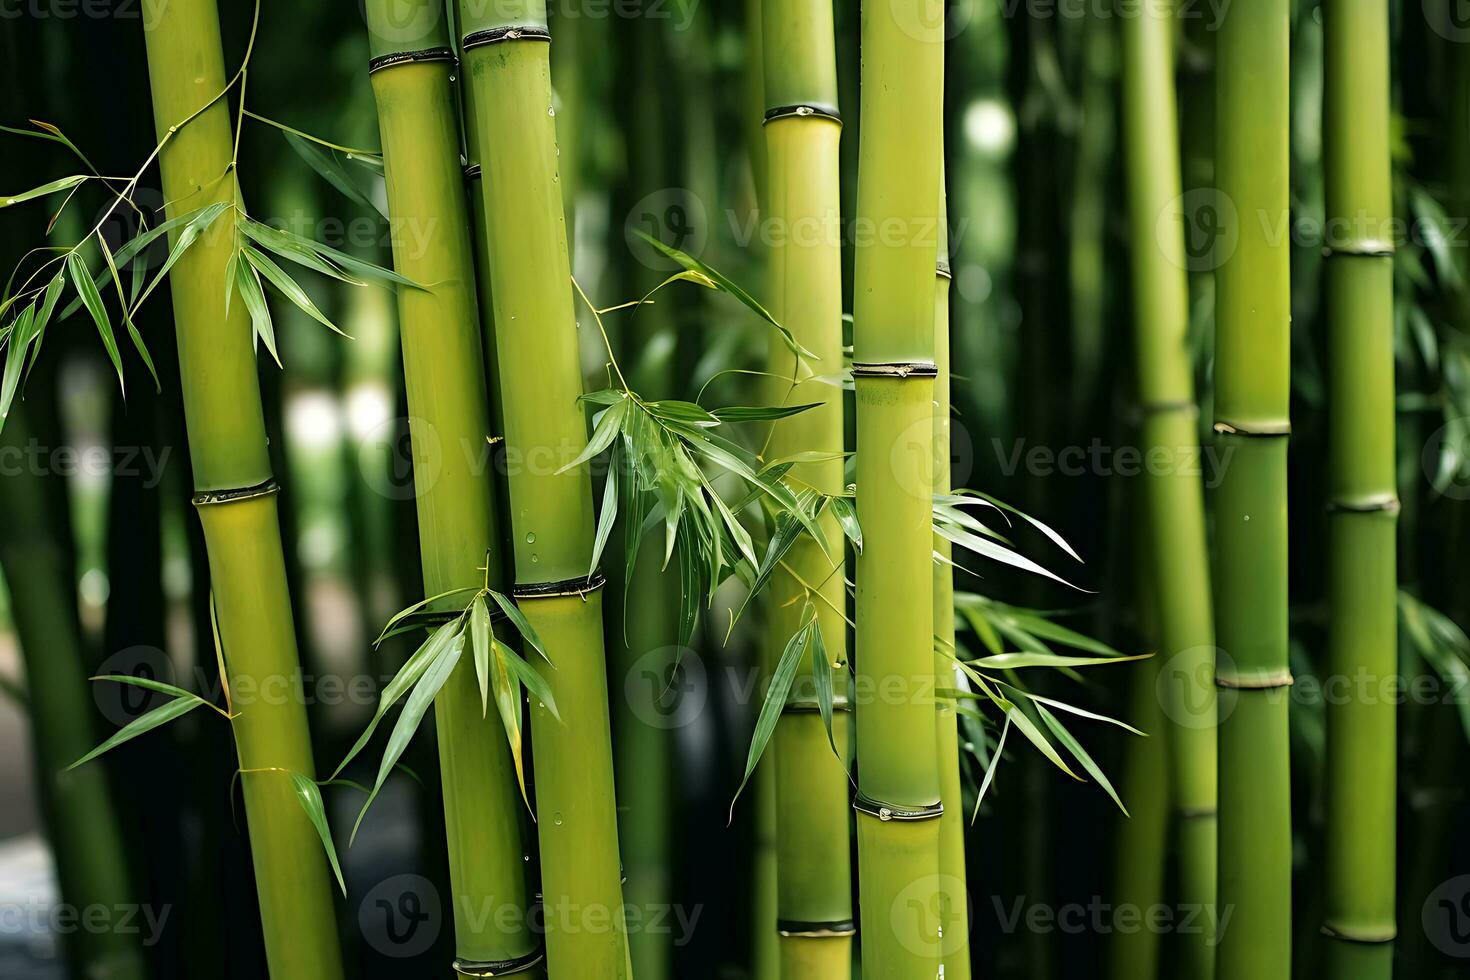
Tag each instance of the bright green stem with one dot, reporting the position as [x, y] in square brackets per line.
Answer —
[227, 443]
[1175, 506]
[814, 898]
[1362, 631]
[897, 246]
[506, 59]
[444, 372]
[81, 820]
[1253, 381]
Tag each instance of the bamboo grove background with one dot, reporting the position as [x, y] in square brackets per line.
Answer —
[1235, 231]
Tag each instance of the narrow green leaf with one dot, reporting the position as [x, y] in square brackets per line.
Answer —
[846, 514]
[403, 614]
[775, 701]
[310, 798]
[760, 413]
[16, 349]
[990, 769]
[87, 292]
[529, 676]
[147, 683]
[196, 227]
[55, 186]
[822, 680]
[1080, 754]
[133, 333]
[288, 286]
[521, 623]
[142, 724]
[1011, 661]
[607, 429]
[480, 641]
[331, 171]
[251, 294]
[1036, 738]
[607, 515]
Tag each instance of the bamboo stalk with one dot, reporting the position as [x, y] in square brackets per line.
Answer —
[236, 497]
[898, 799]
[1253, 382]
[1175, 505]
[507, 64]
[954, 890]
[81, 820]
[412, 72]
[1362, 586]
[802, 133]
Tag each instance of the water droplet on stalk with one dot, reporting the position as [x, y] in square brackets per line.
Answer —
[557, 818]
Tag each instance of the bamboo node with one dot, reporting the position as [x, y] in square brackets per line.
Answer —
[1257, 430]
[579, 586]
[808, 707]
[1366, 248]
[1261, 682]
[1387, 935]
[472, 172]
[500, 968]
[895, 369]
[892, 811]
[1387, 503]
[804, 109]
[236, 494]
[495, 35]
[942, 270]
[836, 929]
[404, 57]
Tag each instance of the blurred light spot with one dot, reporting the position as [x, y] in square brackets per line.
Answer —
[313, 420]
[974, 283]
[94, 587]
[369, 406]
[990, 127]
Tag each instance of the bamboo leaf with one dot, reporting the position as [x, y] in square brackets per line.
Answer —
[480, 641]
[1036, 738]
[990, 769]
[1079, 753]
[143, 724]
[822, 681]
[775, 701]
[331, 171]
[846, 514]
[521, 623]
[761, 413]
[310, 798]
[1052, 535]
[531, 678]
[403, 614]
[92, 300]
[607, 515]
[414, 709]
[294, 247]
[253, 297]
[408, 675]
[508, 706]
[196, 227]
[133, 334]
[1011, 661]
[22, 334]
[989, 549]
[148, 684]
[53, 187]
[291, 248]
[603, 433]
[692, 264]
[288, 286]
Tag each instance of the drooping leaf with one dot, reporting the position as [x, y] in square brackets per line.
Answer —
[760, 413]
[310, 798]
[480, 633]
[846, 514]
[607, 515]
[608, 426]
[251, 294]
[87, 292]
[133, 333]
[288, 286]
[990, 769]
[1079, 753]
[822, 681]
[21, 336]
[775, 702]
[332, 172]
[521, 623]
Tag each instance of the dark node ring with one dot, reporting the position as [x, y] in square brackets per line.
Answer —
[499, 968]
[814, 708]
[942, 270]
[892, 811]
[403, 57]
[472, 172]
[235, 494]
[802, 109]
[895, 369]
[495, 35]
[579, 586]
[816, 930]
[1328, 930]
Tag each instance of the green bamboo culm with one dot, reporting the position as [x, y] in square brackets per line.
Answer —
[412, 71]
[898, 799]
[802, 133]
[1175, 496]
[1253, 383]
[954, 912]
[81, 820]
[506, 61]
[1362, 586]
[236, 495]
